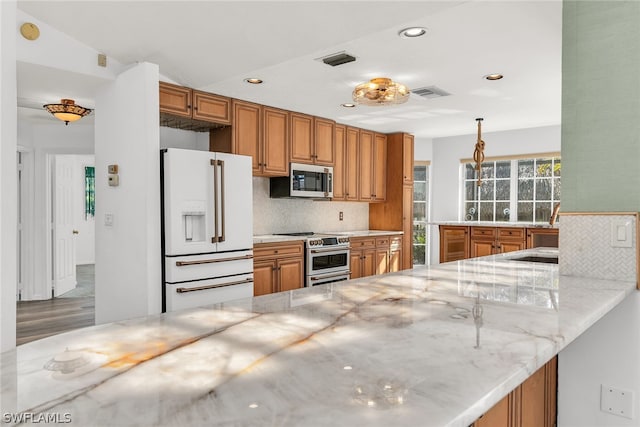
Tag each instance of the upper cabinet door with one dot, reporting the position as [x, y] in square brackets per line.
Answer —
[366, 165]
[407, 156]
[325, 143]
[175, 100]
[339, 176]
[351, 164]
[301, 138]
[247, 132]
[275, 160]
[211, 108]
[380, 168]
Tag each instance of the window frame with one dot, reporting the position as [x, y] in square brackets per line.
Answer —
[513, 188]
[425, 222]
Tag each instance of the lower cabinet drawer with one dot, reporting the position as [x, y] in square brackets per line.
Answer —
[270, 250]
[511, 233]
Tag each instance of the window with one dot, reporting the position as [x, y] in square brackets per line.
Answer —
[89, 191]
[523, 189]
[420, 212]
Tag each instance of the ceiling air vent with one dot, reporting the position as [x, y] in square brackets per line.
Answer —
[338, 59]
[430, 92]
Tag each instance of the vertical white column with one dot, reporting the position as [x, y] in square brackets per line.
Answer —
[128, 258]
[8, 170]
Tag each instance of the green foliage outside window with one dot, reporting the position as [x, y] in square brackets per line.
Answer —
[89, 191]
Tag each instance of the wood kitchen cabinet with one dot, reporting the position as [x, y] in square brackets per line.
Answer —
[382, 255]
[454, 243]
[460, 241]
[365, 161]
[375, 255]
[362, 260]
[542, 237]
[407, 158]
[495, 240]
[396, 212]
[260, 132]
[531, 404]
[187, 103]
[395, 254]
[352, 164]
[278, 267]
[312, 140]
[373, 166]
[339, 182]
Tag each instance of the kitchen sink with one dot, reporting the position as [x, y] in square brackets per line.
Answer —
[532, 258]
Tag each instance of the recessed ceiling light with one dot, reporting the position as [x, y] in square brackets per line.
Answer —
[495, 76]
[348, 105]
[253, 81]
[412, 32]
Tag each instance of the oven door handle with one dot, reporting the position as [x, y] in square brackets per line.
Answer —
[338, 250]
[342, 273]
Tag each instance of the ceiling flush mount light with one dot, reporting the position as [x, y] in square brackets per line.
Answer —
[381, 91]
[30, 31]
[348, 105]
[67, 110]
[253, 81]
[494, 76]
[412, 32]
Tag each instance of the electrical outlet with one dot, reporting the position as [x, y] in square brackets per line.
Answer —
[341, 215]
[616, 401]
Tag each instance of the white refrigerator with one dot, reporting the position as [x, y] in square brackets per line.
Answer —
[207, 222]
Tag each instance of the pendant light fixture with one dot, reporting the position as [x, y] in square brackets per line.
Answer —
[478, 153]
[381, 91]
[67, 110]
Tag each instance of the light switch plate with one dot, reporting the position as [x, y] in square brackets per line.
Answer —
[621, 234]
[616, 401]
[108, 219]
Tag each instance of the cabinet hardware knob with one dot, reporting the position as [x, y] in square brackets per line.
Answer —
[275, 252]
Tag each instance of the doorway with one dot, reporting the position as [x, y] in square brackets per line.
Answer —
[60, 294]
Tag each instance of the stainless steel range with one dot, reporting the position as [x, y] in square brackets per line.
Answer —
[326, 258]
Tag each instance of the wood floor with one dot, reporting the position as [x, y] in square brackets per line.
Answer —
[39, 319]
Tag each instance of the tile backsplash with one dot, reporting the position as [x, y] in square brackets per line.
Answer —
[293, 215]
[586, 250]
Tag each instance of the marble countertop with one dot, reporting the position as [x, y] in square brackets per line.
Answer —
[275, 238]
[498, 224]
[432, 346]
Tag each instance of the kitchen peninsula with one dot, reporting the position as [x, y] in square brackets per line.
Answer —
[432, 346]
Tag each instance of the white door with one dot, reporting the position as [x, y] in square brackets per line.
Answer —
[64, 251]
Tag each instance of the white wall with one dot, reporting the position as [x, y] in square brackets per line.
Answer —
[607, 353]
[445, 166]
[86, 225]
[422, 149]
[128, 262]
[8, 171]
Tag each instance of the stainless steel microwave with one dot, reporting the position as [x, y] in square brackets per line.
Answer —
[309, 181]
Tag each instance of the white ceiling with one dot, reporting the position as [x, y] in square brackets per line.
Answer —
[214, 45]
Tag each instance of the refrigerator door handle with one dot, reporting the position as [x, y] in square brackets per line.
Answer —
[222, 209]
[221, 285]
[211, 261]
[214, 163]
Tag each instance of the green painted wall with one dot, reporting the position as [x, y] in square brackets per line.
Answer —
[601, 106]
